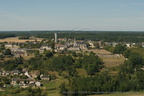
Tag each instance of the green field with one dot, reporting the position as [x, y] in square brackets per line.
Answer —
[122, 94]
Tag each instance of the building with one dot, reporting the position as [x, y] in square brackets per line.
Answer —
[45, 47]
[55, 37]
[15, 72]
[38, 84]
[60, 47]
[45, 77]
[11, 46]
[75, 48]
[81, 45]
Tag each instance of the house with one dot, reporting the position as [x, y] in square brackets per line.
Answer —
[24, 70]
[45, 77]
[19, 53]
[75, 48]
[108, 43]
[60, 47]
[11, 46]
[27, 74]
[14, 81]
[82, 45]
[45, 47]
[62, 39]
[22, 82]
[5, 73]
[91, 44]
[34, 73]
[114, 44]
[38, 84]
[26, 81]
[128, 45]
[8, 45]
[15, 72]
[13, 49]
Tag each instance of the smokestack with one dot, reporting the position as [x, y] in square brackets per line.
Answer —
[55, 37]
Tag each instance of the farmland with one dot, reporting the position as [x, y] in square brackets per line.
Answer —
[15, 39]
[109, 61]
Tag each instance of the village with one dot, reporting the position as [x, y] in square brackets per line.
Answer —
[24, 78]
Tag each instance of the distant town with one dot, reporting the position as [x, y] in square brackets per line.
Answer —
[51, 64]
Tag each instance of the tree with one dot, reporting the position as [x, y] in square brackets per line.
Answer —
[136, 59]
[48, 54]
[19, 60]
[126, 53]
[7, 52]
[63, 89]
[92, 63]
[96, 44]
[52, 44]
[119, 49]
[36, 53]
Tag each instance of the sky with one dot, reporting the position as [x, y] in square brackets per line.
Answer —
[98, 15]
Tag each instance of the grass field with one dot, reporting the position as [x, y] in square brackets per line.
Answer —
[109, 61]
[81, 72]
[101, 51]
[15, 39]
[112, 61]
[122, 94]
[52, 87]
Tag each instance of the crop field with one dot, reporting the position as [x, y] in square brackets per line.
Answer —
[112, 61]
[101, 51]
[15, 39]
[109, 61]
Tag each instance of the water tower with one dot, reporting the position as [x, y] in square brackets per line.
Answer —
[55, 34]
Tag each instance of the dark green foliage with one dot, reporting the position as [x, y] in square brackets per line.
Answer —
[7, 52]
[136, 59]
[9, 65]
[113, 36]
[5, 35]
[74, 54]
[63, 89]
[109, 48]
[6, 80]
[12, 64]
[36, 53]
[105, 36]
[96, 44]
[61, 63]
[48, 54]
[100, 83]
[31, 44]
[24, 37]
[2, 47]
[78, 63]
[92, 63]
[19, 60]
[52, 44]
[119, 49]
[35, 63]
[126, 53]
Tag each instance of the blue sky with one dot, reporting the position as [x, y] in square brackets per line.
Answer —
[103, 15]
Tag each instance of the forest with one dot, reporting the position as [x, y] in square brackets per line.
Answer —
[107, 36]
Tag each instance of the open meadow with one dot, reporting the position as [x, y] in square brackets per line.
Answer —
[109, 61]
[16, 39]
